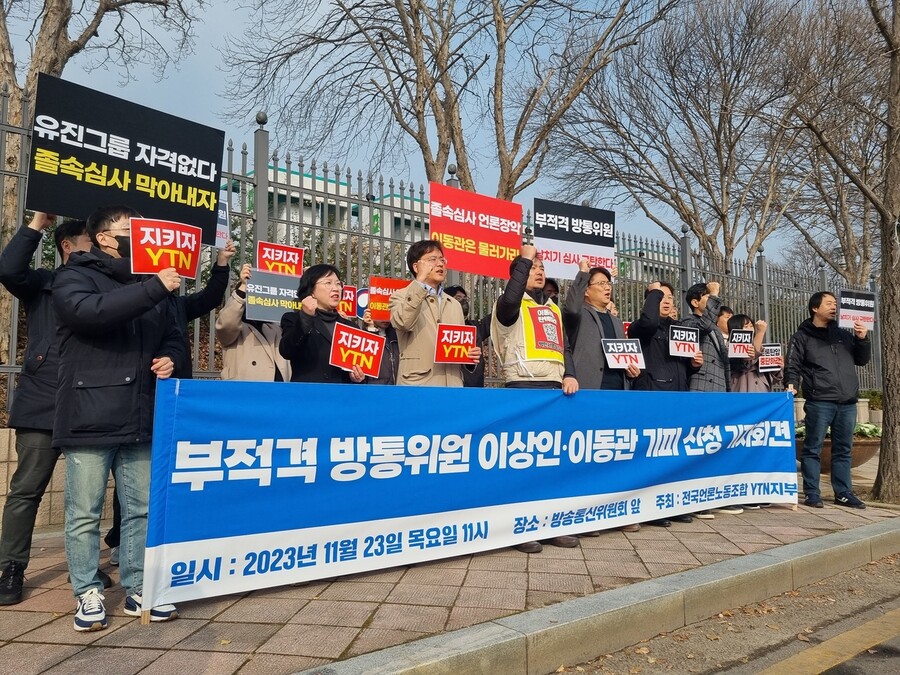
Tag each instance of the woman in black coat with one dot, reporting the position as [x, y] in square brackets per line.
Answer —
[306, 334]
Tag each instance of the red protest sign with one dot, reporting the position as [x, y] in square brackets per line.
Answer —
[380, 291]
[354, 347]
[279, 258]
[479, 234]
[453, 343]
[347, 305]
[160, 244]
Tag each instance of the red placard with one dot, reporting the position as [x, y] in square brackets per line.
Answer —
[354, 347]
[160, 244]
[279, 258]
[479, 234]
[347, 305]
[380, 291]
[453, 343]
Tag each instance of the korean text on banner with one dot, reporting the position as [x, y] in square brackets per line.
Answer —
[856, 306]
[347, 305]
[354, 347]
[90, 149]
[453, 343]
[479, 234]
[159, 244]
[380, 291]
[270, 295]
[262, 499]
[279, 258]
[564, 234]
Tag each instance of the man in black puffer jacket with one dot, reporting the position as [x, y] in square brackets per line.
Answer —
[116, 336]
[824, 357]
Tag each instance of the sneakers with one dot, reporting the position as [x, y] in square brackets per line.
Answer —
[815, 501]
[91, 614]
[11, 583]
[733, 510]
[704, 515]
[849, 499]
[114, 556]
[158, 613]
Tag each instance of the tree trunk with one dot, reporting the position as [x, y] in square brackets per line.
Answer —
[10, 217]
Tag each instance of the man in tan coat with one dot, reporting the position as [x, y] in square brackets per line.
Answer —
[416, 312]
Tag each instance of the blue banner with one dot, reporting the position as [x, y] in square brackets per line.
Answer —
[263, 484]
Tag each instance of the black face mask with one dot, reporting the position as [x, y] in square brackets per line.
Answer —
[465, 306]
[124, 245]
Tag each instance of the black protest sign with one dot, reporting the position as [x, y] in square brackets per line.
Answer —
[856, 306]
[683, 341]
[740, 344]
[270, 295]
[771, 360]
[90, 149]
[623, 353]
[564, 234]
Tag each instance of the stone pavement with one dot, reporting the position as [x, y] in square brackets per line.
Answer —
[289, 629]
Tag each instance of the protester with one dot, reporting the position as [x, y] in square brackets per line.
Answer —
[416, 312]
[249, 348]
[528, 338]
[745, 375]
[588, 320]
[551, 290]
[116, 336]
[306, 334]
[473, 378]
[35, 399]
[390, 360]
[825, 357]
[713, 374]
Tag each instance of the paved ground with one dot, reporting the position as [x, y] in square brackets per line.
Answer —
[293, 628]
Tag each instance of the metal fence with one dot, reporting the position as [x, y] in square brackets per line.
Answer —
[364, 224]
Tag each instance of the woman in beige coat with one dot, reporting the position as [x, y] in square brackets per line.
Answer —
[249, 348]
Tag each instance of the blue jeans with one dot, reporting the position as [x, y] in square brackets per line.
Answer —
[37, 459]
[820, 415]
[87, 472]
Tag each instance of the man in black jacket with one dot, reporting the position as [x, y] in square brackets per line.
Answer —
[116, 336]
[473, 378]
[32, 408]
[824, 357]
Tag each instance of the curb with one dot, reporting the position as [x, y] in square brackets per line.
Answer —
[536, 642]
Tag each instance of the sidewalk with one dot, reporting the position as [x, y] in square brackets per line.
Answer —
[326, 623]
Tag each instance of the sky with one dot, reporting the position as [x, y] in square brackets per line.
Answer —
[195, 91]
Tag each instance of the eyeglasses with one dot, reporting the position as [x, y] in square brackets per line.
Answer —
[601, 284]
[330, 284]
[434, 260]
[118, 229]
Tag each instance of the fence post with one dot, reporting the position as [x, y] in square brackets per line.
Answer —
[876, 335]
[261, 181]
[762, 272]
[823, 281]
[687, 265]
[452, 181]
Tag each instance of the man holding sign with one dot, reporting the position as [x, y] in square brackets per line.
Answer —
[825, 357]
[117, 335]
[418, 311]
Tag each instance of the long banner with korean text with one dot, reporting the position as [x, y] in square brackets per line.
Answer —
[257, 485]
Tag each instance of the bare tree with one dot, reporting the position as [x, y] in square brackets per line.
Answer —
[441, 74]
[107, 33]
[674, 126]
[823, 97]
[835, 67]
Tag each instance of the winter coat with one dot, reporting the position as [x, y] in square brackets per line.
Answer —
[715, 373]
[35, 395]
[825, 360]
[306, 343]
[249, 349]
[193, 306]
[663, 372]
[112, 324]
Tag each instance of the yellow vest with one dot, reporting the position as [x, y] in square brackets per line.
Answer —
[532, 348]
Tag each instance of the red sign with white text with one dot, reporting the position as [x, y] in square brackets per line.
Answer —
[479, 234]
[380, 291]
[354, 347]
[160, 244]
[453, 343]
[347, 305]
[279, 259]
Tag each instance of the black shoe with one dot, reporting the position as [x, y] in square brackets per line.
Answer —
[662, 522]
[849, 499]
[11, 582]
[814, 501]
[530, 547]
[684, 518]
[563, 541]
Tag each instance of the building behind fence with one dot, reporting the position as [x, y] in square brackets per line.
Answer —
[364, 225]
